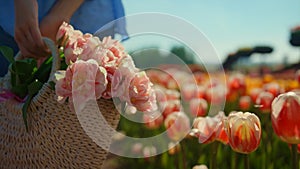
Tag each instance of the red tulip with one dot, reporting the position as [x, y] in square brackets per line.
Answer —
[209, 129]
[286, 117]
[243, 131]
[216, 93]
[170, 107]
[189, 91]
[264, 101]
[245, 103]
[172, 94]
[297, 76]
[237, 83]
[198, 107]
[273, 88]
[254, 93]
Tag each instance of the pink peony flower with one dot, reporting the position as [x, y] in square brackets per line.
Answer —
[113, 54]
[62, 31]
[121, 79]
[141, 95]
[81, 79]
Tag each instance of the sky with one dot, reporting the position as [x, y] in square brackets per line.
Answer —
[230, 24]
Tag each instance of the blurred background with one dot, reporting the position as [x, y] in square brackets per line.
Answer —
[231, 26]
[257, 43]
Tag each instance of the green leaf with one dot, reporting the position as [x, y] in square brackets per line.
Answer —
[34, 87]
[8, 53]
[43, 72]
[24, 69]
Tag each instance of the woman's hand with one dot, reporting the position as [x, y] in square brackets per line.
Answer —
[27, 32]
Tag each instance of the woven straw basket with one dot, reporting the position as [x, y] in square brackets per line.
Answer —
[55, 138]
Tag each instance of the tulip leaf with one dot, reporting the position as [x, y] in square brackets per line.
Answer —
[8, 53]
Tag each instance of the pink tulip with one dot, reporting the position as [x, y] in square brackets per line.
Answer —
[209, 129]
[243, 131]
[188, 91]
[198, 107]
[286, 117]
[153, 120]
[178, 125]
[172, 94]
[170, 107]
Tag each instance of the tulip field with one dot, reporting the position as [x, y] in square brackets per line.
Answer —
[216, 120]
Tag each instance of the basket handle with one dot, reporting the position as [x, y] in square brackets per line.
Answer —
[53, 49]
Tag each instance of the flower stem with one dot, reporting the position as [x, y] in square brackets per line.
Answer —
[183, 156]
[295, 162]
[213, 158]
[246, 161]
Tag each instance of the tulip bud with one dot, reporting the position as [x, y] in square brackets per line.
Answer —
[209, 129]
[178, 125]
[264, 101]
[245, 103]
[237, 83]
[243, 131]
[171, 107]
[286, 117]
[200, 166]
[172, 94]
[188, 91]
[198, 107]
[273, 88]
[173, 148]
[254, 93]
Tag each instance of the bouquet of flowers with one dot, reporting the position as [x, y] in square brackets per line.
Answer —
[90, 69]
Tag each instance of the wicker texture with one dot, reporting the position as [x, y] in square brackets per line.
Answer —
[55, 138]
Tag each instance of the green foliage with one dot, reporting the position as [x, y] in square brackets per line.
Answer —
[185, 55]
[27, 78]
[7, 53]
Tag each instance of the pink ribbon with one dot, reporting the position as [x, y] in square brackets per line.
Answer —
[6, 95]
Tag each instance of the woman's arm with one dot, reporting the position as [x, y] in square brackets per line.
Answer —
[27, 33]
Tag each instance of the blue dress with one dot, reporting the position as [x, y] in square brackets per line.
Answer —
[99, 16]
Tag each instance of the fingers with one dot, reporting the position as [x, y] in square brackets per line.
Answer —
[30, 42]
